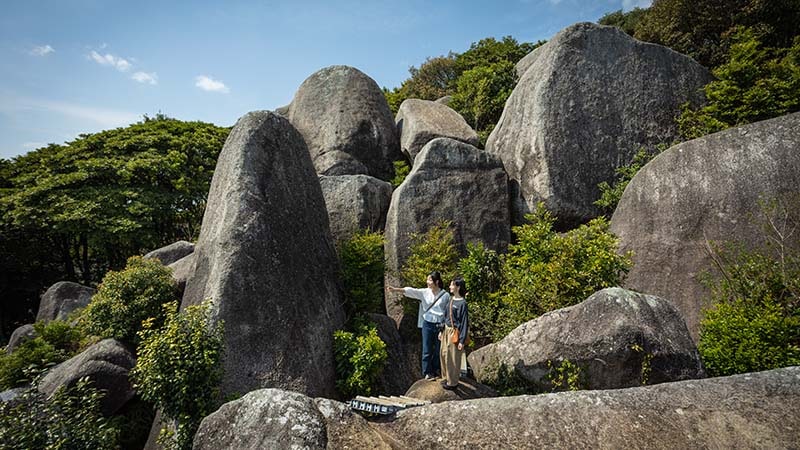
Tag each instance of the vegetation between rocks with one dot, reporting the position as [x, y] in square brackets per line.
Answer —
[753, 323]
[178, 370]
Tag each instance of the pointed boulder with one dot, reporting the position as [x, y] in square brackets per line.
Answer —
[266, 260]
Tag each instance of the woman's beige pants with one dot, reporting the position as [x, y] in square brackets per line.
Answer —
[450, 357]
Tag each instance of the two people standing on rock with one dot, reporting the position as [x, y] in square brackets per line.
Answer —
[433, 301]
[440, 315]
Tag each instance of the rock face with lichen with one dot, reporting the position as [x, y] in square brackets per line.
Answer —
[421, 121]
[616, 338]
[711, 189]
[263, 244]
[346, 123]
[587, 101]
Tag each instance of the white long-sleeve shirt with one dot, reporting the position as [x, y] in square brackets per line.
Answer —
[426, 298]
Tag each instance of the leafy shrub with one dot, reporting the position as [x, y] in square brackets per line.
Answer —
[71, 419]
[434, 250]
[482, 270]
[545, 270]
[360, 358]
[508, 382]
[401, 171]
[178, 368]
[611, 194]
[124, 299]
[756, 83]
[481, 93]
[362, 271]
[54, 342]
[754, 321]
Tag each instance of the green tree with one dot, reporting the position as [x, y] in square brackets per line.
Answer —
[127, 298]
[178, 369]
[433, 79]
[75, 211]
[699, 28]
[481, 94]
[489, 51]
[625, 21]
[756, 83]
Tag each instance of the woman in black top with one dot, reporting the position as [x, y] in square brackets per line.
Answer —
[456, 317]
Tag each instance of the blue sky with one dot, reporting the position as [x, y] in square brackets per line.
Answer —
[80, 66]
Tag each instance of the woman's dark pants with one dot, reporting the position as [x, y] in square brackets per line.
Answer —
[430, 348]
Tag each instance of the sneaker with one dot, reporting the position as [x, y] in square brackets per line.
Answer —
[429, 377]
[448, 387]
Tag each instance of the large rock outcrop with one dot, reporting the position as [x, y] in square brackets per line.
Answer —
[618, 338]
[272, 418]
[106, 363]
[346, 123]
[450, 181]
[704, 190]
[172, 252]
[266, 260]
[62, 298]
[757, 410]
[421, 121]
[589, 99]
[355, 202]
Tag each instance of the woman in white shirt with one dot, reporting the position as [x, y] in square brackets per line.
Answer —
[433, 301]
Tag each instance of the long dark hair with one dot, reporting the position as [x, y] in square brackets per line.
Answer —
[461, 285]
[437, 278]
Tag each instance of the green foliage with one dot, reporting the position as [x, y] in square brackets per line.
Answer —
[480, 80]
[54, 342]
[433, 250]
[754, 321]
[401, 171]
[75, 211]
[700, 28]
[362, 272]
[433, 79]
[545, 270]
[481, 93]
[566, 376]
[124, 299]
[626, 21]
[489, 51]
[178, 367]
[71, 419]
[611, 194]
[360, 358]
[482, 270]
[756, 83]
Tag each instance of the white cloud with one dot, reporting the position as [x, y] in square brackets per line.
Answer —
[42, 50]
[211, 85]
[628, 5]
[108, 59]
[143, 77]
